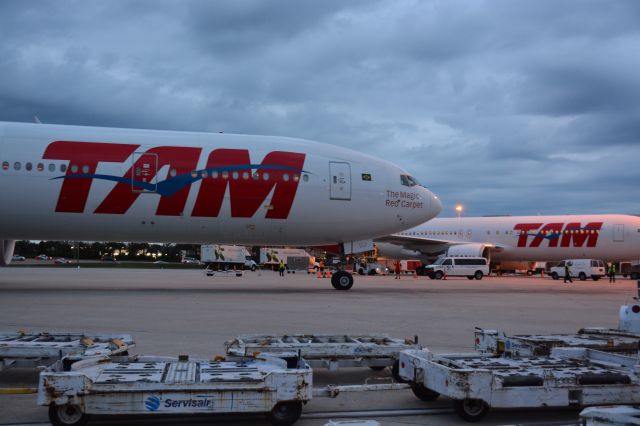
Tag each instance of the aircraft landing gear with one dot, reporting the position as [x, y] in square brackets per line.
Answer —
[342, 280]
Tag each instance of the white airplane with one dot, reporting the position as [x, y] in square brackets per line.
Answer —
[610, 237]
[100, 184]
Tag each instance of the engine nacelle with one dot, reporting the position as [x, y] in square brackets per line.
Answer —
[394, 251]
[470, 250]
[6, 251]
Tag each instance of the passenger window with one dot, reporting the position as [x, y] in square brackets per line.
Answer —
[52, 167]
[173, 172]
[17, 165]
[214, 174]
[85, 169]
[245, 175]
[304, 178]
[40, 167]
[74, 168]
[447, 262]
[28, 166]
[225, 175]
[265, 176]
[234, 175]
[285, 177]
[255, 176]
[194, 173]
[5, 165]
[296, 178]
[204, 174]
[63, 168]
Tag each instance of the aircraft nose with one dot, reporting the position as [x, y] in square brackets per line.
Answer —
[425, 208]
[436, 205]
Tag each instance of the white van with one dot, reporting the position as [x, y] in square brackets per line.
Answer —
[470, 267]
[581, 269]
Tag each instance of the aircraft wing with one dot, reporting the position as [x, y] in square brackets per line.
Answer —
[424, 245]
[431, 246]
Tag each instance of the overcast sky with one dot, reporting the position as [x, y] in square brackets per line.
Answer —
[508, 107]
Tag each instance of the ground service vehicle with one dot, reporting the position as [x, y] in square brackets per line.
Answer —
[100, 184]
[470, 267]
[227, 257]
[370, 268]
[270, 257]
[580, 268]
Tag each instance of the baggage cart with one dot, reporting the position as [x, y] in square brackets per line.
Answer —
[331, 351]
[32, 349]
[156, 386]
[567, 377]
[602, 339]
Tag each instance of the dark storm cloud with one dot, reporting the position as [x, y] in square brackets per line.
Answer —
[506, 106]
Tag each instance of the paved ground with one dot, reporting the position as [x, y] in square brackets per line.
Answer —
[170, 312]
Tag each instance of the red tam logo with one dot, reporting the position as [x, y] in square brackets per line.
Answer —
[556, 233]
[249, 184]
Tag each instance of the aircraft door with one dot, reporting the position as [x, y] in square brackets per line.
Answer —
[144, 172]
[618, 233]
[340, 186]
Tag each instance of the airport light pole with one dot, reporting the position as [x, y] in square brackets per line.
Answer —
[459, 209]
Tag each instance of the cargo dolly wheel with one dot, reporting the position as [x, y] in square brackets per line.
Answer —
[471, 410]
[342, 280]
[424, 393]
[66, 415]
[285, 413]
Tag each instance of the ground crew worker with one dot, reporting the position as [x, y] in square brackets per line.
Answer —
[281, 268]
[396, 266]
[612, 272]
[567, 273]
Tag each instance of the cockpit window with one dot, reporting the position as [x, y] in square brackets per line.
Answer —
[408, 180]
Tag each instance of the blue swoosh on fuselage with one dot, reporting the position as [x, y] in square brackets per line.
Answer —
[169, 187]
[555, 236]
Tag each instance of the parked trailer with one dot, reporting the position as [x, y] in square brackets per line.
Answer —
[156, 386]
[602, 339]
[568, 377]
[330, 351]
[32, 349]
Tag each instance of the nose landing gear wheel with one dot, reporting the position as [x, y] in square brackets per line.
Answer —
[342, 280]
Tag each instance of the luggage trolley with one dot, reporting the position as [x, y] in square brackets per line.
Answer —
[331, 351]
[567, 377]
[32, 349]
[156, 386]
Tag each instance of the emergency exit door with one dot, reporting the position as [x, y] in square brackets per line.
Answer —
[144, 172]
[340, 186]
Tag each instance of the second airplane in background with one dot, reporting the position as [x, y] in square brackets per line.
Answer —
[610, 237]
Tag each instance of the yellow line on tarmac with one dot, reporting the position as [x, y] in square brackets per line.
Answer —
[17, 391]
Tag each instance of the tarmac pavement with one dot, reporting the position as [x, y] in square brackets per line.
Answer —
[171, 312]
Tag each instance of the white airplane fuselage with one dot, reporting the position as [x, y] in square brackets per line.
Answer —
[102, 184]
[610, 237]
